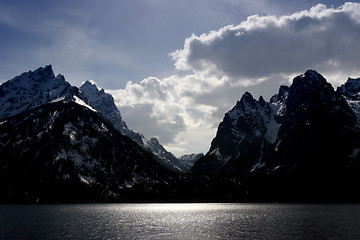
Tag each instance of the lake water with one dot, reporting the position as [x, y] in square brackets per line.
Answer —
[180, 221]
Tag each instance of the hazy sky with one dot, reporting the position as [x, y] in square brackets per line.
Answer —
[176, 67]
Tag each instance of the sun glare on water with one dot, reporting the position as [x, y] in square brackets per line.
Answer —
[178, 207]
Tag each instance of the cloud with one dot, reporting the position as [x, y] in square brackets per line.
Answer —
[151, 108]
[171, 110]
[257, 55]
[323, 38]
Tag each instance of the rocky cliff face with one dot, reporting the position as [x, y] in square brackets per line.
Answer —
[351, 92]
[304, 141]
[104, 104]
[241, 135]
[245, 134]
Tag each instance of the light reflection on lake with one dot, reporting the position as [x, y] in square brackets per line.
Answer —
[180, 221]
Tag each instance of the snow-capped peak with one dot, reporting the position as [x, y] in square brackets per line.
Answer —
[351, 92]
[350, 88]
[90, 86]
[281, 96]
[90, 82]
[32, 89]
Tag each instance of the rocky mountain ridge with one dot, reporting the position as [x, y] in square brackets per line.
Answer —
[39, 87]
[61, 143]
[305, 141]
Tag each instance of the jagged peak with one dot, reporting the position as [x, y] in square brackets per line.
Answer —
[311, 80]
[354, 81]
[96, 96]
[32, 89]
[41, 79]
[283, 90]
[47, 70]
[311, 73]
[245, 99]
[350, 87]
[310, 76]
[247, 96]
[42, 73]
[281, 95]
[261, 101]
[154, 141]
[90, 85]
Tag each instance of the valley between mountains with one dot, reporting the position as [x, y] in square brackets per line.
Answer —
[60, 143]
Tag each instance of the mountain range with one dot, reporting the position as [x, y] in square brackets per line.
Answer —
[60, 143]
[304, 144]
[54, 134]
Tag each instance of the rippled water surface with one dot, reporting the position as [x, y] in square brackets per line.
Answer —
[180, 221]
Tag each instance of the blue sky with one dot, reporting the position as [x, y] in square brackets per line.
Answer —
[176, 67]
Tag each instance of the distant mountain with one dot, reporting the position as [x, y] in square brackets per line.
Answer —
[304, 144]
[351, 92]
[351, 88]
[62, 144]
[189, 160]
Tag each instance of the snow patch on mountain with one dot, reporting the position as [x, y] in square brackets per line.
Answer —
[272, 127]
[82, 103]
[59, 99]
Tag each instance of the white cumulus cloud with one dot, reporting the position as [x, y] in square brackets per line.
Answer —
[322, 38]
